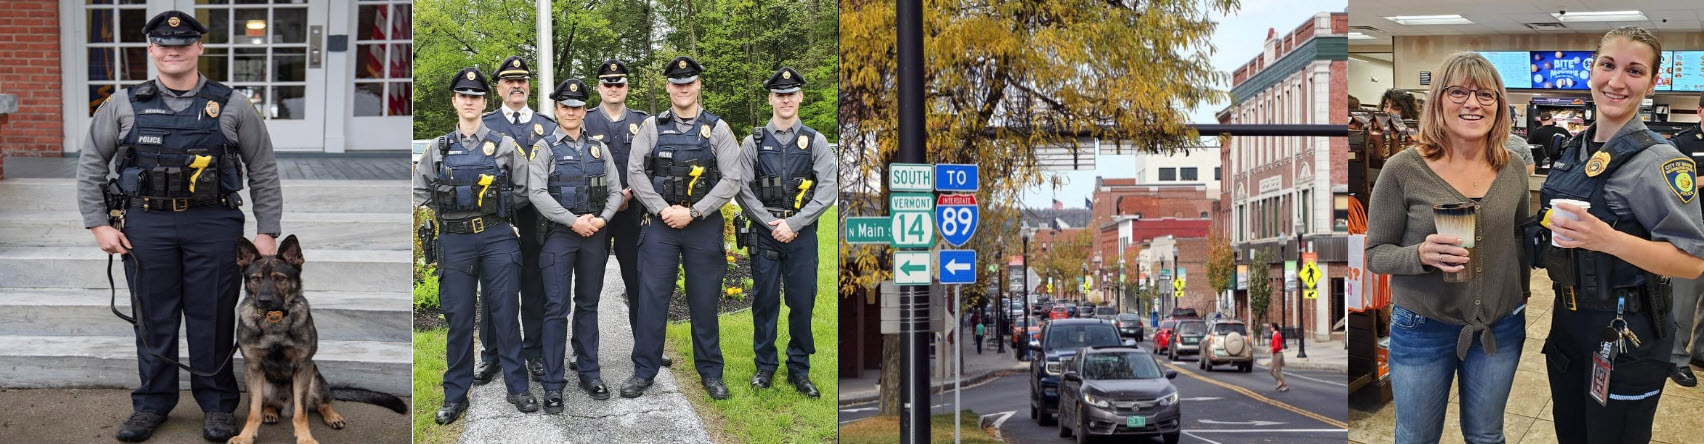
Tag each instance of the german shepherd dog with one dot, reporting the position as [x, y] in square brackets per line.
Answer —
[276, 334]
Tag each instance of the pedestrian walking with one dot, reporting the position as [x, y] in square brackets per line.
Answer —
[1277, 364]
[979, 334]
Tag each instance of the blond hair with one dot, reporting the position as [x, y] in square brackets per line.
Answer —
[1460, 69]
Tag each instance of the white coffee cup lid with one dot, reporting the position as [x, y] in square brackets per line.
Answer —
[1577, 203]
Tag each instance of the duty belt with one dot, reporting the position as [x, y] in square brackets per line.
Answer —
[1572, 300]
[153, 204]
[473, 225]
[781, 213]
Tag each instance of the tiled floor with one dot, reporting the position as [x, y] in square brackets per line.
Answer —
[1527, 417]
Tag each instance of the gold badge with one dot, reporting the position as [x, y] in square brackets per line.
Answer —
[470, 75]
[490, 147]
[612, 67]
[516, 63]
[788, 75]
[633, 128]
[704, 130]
[538, 129]
[173, 22]
[1596, 165]
[595, 153]
[682, 64]
[573, 87]
[213, 109]
[803, 142]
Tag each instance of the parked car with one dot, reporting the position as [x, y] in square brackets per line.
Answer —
[1129, 325]
[1188, 334]
[1162, 336]
[1118, 391]
[1019, 338]
[419, 147]
[1185, 312]
[1227, 342]
[1060, 338]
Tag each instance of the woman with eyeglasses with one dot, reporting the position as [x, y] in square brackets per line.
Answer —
[1443, 331]
[1610, 261]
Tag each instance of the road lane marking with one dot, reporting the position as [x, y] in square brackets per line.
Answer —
[1193, 435]
[1251, 394]
[1271, 431]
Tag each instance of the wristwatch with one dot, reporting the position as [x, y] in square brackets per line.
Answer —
[696, 214]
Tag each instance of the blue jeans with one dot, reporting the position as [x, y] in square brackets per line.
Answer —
[1422, 363]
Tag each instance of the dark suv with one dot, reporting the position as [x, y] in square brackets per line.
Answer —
[1059, 339]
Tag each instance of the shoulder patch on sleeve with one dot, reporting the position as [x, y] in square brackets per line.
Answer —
[1681, 175]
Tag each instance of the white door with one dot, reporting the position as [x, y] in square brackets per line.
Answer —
[272, 53]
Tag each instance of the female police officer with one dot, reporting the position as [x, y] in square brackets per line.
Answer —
[1610, 335]
[571, 183]
[469, 178]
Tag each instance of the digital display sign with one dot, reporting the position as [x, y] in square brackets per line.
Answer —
[1560, 69]
[1688, 69]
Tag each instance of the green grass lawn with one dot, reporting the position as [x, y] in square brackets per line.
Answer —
[428, 391]
[778, 414]
[885, 429]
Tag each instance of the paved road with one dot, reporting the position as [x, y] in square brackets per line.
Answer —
[1218, 407]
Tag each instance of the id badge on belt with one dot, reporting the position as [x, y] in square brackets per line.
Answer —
[1603, 362]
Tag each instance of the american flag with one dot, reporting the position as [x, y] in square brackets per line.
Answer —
[1057, 205]
[399, 58]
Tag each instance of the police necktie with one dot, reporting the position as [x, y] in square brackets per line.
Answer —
[517, 115]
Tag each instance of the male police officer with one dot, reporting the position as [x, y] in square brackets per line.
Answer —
[515, 119]
[615, 125]
[1687, 292]
[471, 178]
[793, 165]
[684, 165]
[180, 141]
[573, 185]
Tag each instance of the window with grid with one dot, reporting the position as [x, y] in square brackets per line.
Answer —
[384, 77]
[117, 49]
[260, 50]
[1190, 174]
[1168, 174]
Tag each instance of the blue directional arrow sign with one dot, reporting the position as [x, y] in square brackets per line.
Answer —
[958, 266]
[956, 214]
[955, 177]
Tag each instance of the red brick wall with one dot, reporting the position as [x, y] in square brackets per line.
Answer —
[1339, 116]
[29, 47]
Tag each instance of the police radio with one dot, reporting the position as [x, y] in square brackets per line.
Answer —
[742, 232]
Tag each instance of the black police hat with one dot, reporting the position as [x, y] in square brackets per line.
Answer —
[570, 92]
[173, 28]
[785, 80]
[513, 68]
[470, 81]
[612, 72]
[682, 70]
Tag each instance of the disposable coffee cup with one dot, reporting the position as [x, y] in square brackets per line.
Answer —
[1457, 220]
[1558, 213]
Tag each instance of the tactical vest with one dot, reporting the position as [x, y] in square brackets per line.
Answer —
[785, 174]
[617, 136]
[469, 183]
[682, 165]
[179, 159]
[579, 182]
[1588, 279]
[525, 134]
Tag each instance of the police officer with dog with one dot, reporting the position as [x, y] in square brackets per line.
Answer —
[1688, 292]
[793, 182]
[614, 124]
[180, 143]
[473, 179]
[684, 165]
[517, 120]
[573, 185]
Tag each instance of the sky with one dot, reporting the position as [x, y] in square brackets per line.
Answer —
[1239, 37]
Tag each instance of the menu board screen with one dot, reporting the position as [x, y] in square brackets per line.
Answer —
[1511, 66]
[1688, 70]
[1560, 69]
[1665, 75]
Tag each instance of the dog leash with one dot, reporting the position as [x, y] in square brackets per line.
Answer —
[142, 328]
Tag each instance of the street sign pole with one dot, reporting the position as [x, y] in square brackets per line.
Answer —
[958, 362]
[914, 379]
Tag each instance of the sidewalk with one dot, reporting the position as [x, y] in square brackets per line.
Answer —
[1526, 418]
[1324, 356]
[977, 368]
[661, 415]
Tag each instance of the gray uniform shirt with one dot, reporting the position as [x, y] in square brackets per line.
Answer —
[538, 178]
[823, 161]
[1399, 218]
[509, 157]
[240, 123]
[734, 164]
[1640, 187]
[1518, 149]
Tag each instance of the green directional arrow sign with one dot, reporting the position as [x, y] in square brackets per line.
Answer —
[911, 268]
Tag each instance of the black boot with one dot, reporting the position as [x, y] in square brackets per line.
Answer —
[139, 427]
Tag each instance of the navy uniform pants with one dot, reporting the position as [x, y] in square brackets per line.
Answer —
[697, 248]
[778, 267]
[188, 269]
[1635, 385]
[490, 259]
[532, 296]
[570, 261]
[624, 241]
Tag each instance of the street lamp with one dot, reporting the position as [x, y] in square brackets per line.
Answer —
[1301, 315]
[1023, 335]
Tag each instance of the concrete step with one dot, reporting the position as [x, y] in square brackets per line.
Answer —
[300, 196]
[316, 231]
[339, 316]
[326, 270]
[110, 362]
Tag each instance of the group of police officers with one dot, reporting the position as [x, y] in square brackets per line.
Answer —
[529, 206]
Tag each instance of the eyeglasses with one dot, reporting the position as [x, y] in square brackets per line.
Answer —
[1459, 95]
